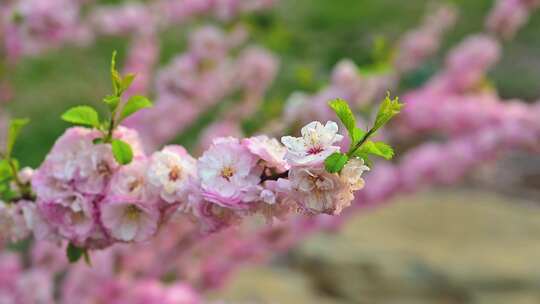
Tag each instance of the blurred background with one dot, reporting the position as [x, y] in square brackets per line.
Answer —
[477, 241]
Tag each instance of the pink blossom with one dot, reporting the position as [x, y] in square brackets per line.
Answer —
[172, 171]
[269, 150]
[229, 174]
[154, 292]
[123, 19]
[509, 15]
[212, 217]
[130, 180]
[257, 69]
[223, 128]
[315, 145]
[15, 220]
[318, 191]
[127, 219]
[208, 43]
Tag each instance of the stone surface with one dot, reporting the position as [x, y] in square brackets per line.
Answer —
[440, 247]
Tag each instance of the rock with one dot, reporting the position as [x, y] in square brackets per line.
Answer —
[441, 247]
[266, 285]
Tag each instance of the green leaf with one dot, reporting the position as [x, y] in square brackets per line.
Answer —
[15, 127]
[365, 157]
[133, 105]
[115, 75]
[122, 152]
[127, 81]
[5, 170]
[357, 135]
[344, 113]
[74, 253]
[82, 115]
[335, 162]
[376, 148]
[388, 109]
[112, 101]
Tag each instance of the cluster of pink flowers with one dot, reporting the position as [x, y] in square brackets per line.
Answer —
[81, 284]
[15, 282]
[86, 197]
[346, 83]
[466, 65]
[508, 16]
[200, 78]
[33, 26]
[136, 18]
[421, 43]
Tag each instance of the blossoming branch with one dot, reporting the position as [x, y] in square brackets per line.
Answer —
[97, 186]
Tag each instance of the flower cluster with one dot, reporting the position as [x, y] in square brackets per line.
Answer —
[509, 15]
[420, 43]
[203, 76]
[98, 186]
[33, 26]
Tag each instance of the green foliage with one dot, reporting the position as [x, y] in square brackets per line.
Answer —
[133, 105]
[15, 127]
[120, 84]
[115, 76]
[335, 162]
[388, 109]
[122, 152]
[82, 115]
[85, 115]
[376, 148]
[74, 253]
[112, 101]
[361, 146]
[345, 114]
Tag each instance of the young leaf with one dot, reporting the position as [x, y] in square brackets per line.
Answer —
[82, 115]
[115, 75]
[388, 109]
[127, 81]
[335, 162]
[112, 101]
[122, 152]
[15, 127]
[74, 253]
[376, 148]
[5, 170]
[344, 113]
[133, 105]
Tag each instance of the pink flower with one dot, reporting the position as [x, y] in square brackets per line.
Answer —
[352, 173]
[15, 220]
[315, 145]
[228, 174]
[269, 150]
[131, 181]
[508, 16]
[318, 191]
[212, 217]
[257, 69]
[208, 43]
[172, 171]
[154, 292]
[224, 128]
[127, 219]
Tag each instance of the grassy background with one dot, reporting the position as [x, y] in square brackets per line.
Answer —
[309, 35]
